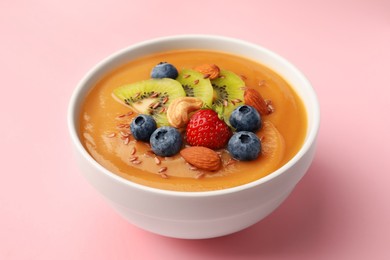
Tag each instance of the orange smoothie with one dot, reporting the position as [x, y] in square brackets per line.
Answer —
[105, 133]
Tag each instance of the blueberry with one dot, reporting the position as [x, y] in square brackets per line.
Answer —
[245, 118]
[244, 146]
[166, 141]
[142, 127]
[164, 70]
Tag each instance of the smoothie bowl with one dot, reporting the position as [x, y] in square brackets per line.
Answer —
[194, 136]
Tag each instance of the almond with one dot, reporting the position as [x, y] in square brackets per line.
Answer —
[210, 71]
[253, 98]
[201, 157]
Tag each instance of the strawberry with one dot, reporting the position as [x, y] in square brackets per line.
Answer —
[206, 129]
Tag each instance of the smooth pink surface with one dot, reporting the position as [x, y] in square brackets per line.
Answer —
[340, 210]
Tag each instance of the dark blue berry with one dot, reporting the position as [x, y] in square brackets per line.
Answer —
[142, 127]
[166, 141]
[244, 146]
[164, 70]
[245, 118]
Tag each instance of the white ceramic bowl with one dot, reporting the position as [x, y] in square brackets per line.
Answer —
[196, 215]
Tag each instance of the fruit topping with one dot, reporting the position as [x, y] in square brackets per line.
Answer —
[244, 146]
[202, 158]
[245, 118]
[195, 85]
[166, 141]
[151, 97]
[205, 101]
[164, 70]
[210, 71]
[179, 110]
[228, 93]
[255, 99]
[142, 127]
[272, 142]
[206, 129]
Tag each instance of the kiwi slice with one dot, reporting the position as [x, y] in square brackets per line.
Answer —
[228, 93]
[195, 85]
[151, 97]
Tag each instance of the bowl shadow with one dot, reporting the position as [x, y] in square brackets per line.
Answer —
[296, 225]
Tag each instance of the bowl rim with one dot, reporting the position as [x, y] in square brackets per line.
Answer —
[75, 102]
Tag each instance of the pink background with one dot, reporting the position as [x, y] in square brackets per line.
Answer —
[340, 210]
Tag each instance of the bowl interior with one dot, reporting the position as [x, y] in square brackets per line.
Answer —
[257, 53]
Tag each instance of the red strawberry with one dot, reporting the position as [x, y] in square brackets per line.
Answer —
[206, 129]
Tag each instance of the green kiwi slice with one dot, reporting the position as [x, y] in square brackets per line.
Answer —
[195, 85]
[228, 93]
[151, 97]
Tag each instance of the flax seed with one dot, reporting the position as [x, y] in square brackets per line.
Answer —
[157, 160]
[156, 105]
[111, 135]
[150, 153]
[261, 83]
[165, 100]
[133, 151]
[155, 94]
[196, 81]
[199, 175]
[270, 108]
[206, 76]
[230, 162]
[193, 168]
[133, 158]
[225, 103]
[126, 141]
[124, 134]
[186, 76]
[162, 169]
[121, 116]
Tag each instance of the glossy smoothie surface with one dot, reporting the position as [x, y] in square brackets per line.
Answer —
[105, 134]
